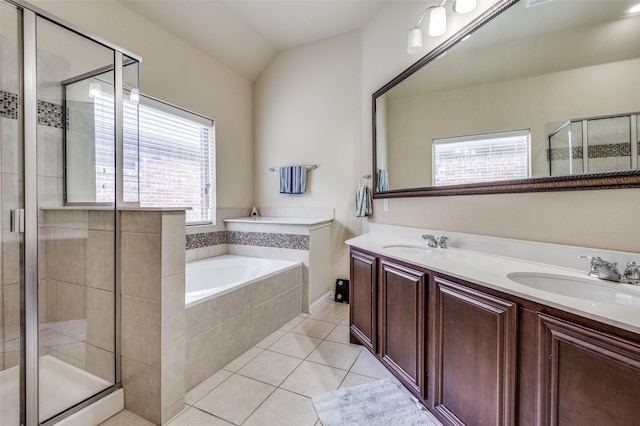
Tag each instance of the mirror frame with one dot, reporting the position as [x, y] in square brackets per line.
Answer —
[605, 180]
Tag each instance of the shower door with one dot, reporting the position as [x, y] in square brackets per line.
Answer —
[76, 162]
[11, 239]
[61, 132]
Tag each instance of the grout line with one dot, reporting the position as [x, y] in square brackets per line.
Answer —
[302, 360]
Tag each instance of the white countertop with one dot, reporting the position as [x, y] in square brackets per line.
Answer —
[491, 271]
[310, 221]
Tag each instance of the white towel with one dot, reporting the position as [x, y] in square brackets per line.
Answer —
[364, 205]
[293, 179]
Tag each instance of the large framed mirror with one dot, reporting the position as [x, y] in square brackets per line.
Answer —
[531, 96]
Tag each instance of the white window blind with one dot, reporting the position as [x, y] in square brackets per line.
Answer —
[481, 158]
[172, 166]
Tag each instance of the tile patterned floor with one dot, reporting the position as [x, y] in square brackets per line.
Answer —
[272, 383]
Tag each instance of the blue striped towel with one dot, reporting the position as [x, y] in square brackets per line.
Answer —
[293, 179]
[364, 206]
[383, 180]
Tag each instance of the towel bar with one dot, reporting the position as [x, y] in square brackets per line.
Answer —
[312, 166]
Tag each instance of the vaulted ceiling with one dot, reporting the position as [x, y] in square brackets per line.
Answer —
[245, 34]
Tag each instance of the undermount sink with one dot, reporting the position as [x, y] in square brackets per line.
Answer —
[585, 289]
[408, 248]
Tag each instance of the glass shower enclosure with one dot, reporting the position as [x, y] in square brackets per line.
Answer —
[61, 150]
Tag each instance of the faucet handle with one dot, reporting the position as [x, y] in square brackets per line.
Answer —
[632, 271]
[442, 242]
[431, 240]
[595, 265]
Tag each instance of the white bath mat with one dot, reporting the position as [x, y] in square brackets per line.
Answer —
[380, 403]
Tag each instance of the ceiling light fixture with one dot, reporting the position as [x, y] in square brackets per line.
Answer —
[634, 9]
[437, 22]
[94, 90]
[134, 96]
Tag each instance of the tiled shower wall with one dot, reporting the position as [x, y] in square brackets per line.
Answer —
[50, 178]
[609, 146]
[76, 289]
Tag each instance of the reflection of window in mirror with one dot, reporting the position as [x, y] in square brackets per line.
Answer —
[487, 157]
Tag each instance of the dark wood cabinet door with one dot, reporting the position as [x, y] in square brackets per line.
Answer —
[363, 299]
[586, 377]
[402, 322]
[475, 356]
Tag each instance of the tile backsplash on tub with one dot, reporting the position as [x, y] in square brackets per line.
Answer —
[260, 239]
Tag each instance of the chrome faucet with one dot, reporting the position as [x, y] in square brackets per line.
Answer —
[433, 241]
[606, 270]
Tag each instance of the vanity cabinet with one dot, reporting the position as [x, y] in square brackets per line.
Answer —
[402, 323]
[474, 349]
[478, 356]
[586, 376]
[363, 299]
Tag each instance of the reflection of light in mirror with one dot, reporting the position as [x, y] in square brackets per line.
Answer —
[634, 9]
[134, 96]
[94, 90]
[464, 6]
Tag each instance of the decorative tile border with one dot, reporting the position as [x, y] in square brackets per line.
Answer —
[259, 239]
[610, 150]
[556, 154]
[265, 239]
[9, 105]
[594, 151]
[49, 114]
[206, 239]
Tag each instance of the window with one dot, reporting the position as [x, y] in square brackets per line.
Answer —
[172, 166]
[481, 158]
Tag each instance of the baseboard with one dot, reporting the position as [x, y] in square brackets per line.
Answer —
[315, 305]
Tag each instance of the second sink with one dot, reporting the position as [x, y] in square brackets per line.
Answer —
[408, 248]
[586, 289]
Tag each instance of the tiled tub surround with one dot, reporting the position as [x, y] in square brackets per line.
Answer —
[153, 314]
[221, 328]
[307, 240]
[298, 234]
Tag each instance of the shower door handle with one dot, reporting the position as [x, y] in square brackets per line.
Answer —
[17, 220]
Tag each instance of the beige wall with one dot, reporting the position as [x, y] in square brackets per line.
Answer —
[307, 111]
[603, 219]
[178, 73]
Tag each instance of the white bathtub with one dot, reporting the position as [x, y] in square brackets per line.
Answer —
[212, 277]
[232, 303]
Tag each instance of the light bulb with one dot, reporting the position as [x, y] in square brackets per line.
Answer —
[134, 96]
[414, 42]
[464, 6]
[94, 90]
[437, 21]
